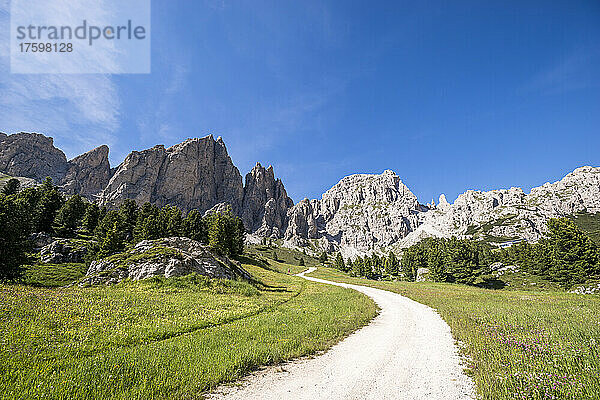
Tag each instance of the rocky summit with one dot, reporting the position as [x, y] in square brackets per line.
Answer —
[33, 156]
[510, 214]
[195, 174]
[266, 203]
[361, 214]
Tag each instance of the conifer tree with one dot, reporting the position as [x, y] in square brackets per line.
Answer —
[69, 216]
[90, 218]
[11, 187]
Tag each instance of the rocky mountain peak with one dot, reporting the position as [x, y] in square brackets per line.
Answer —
[360, 213]
[195, 174]
[88, 173]
[265, 203]
[31, 155]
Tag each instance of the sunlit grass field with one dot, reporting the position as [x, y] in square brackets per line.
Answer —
[164, 338]
[521, 344]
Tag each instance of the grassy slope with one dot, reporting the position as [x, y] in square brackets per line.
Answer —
[589, 223]
[522, 345]
[171, 339]
[53, 275]
[284, 256]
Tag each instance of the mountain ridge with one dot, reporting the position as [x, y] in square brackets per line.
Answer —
[360, 214]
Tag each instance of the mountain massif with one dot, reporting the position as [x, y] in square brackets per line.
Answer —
[360, 214]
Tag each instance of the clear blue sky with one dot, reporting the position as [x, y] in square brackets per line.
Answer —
[451, 95]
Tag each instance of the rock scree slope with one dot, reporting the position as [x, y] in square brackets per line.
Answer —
[407, 353]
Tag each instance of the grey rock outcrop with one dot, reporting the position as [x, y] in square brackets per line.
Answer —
[195, 174]
[40, 240]
[88, 174]
[64, 251]
[366, 213]
[32, 155]
[168, 257]
[265, 204]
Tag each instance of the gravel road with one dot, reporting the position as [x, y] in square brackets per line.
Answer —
[406, 352]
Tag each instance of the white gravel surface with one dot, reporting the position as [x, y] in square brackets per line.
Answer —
[406, 352]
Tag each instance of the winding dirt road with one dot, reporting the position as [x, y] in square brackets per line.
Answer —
[406, 352]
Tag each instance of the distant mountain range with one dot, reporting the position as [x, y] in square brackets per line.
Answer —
[360, 214]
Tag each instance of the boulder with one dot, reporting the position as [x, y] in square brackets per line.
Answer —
[64, 251]
[40, 239]
[422, 275]
[168, 257]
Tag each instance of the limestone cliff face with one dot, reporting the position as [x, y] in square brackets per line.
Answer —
[34, 156]
[88, 174]
[360, 214]
[195, 174]
[31, 155]
[363, 213]
[265, 204]
[507, 214]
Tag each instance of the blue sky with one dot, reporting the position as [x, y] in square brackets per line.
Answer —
[451, 95]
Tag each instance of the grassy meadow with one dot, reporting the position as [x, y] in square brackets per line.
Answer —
[519, 344]
[163, 338]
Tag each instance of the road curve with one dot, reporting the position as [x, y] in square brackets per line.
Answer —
[406, 352]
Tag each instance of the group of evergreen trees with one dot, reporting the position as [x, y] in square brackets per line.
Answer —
[45, 209]
[369, 267]
[448, 260]
[566, 255]
[115, 229]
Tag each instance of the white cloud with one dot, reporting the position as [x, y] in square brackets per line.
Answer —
[573, 72]
[79, 110]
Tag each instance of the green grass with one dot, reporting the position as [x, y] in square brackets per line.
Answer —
[284, 255]
[164, 338]
[521, 345]
[589, 223]
[524, 281]
[53, 275]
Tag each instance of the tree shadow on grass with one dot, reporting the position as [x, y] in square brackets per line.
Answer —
[494, 284]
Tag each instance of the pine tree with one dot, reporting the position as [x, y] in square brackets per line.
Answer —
[128, 211]
[194, 227]
[69, 216]
[301, 262]
[323, 258]
[113, 242]
[172, 220]
[339, 262]
[391, 264]
[91, 218]
[11, 187]
[151, 229]
[217, 234]
[14, 230]
[141, 229]
[50, 201]
[574, 256]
